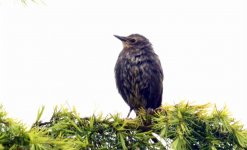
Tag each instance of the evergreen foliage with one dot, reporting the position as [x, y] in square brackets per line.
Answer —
[179, 127]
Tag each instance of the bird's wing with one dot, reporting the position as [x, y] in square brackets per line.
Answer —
[153, 81]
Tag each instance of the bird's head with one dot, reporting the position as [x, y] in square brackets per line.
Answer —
[135, 41]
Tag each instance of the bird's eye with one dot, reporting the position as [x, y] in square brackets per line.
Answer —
[132, 40]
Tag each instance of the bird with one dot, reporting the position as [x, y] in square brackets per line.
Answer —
[139, 74]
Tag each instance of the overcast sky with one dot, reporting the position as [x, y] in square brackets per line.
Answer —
[64, 52]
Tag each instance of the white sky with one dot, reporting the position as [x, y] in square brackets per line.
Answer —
[64, 52]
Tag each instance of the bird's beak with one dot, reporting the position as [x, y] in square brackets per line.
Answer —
[122, 38]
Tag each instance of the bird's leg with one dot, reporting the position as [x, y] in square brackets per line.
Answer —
[129, 112]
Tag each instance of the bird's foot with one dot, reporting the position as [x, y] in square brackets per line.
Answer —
[159, 109]
[150, 111]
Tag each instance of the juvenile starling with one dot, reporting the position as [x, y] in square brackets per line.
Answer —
[138, 73]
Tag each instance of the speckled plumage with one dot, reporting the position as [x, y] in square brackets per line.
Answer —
[138, 73]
